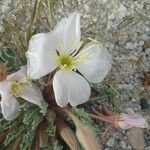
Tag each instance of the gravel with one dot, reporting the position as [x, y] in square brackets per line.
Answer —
[123, 26]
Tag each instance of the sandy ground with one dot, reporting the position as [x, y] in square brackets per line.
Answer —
[123, 26]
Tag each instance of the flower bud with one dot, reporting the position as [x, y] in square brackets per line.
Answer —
[67, 134]
[84, 133]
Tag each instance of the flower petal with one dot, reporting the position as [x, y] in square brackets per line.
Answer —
[70, 87]
[124, 125]
[94, 62]
[10, 107]
[132, 120]
[5, 87]
[41, 55]
[19, 75]
[31, 94]
[68, 33]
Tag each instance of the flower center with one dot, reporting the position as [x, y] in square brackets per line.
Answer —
[65, 61]
[15, 87]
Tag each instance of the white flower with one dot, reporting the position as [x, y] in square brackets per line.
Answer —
[60, 49]
[16, 85]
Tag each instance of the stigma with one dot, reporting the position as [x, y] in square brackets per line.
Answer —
[65, 61]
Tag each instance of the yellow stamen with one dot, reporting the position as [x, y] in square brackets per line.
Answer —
[78, 47]
[65, 61]
[15, 87]
[25, 80]
[83, 55]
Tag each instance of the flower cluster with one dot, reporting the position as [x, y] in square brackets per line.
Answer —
[62, 53]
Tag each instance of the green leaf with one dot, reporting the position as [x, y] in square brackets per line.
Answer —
[32, 117]
[85, 118]
[13, 134]
[15, 129]
[51, 129]
[4, 124]
[2, 146]
[27, 139]
[111, 99]
[8, 57]
[82, 115]
[43, 107]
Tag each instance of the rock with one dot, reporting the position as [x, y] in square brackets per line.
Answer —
[147, 137]
[147, 1]
[122, 39]
[144, 104]
[147, 148]
[146, 81]
[129, 147]
[110, 142]
[126, 86]
[136, 138]
[147, 43]
[123, 145]
[86, 7]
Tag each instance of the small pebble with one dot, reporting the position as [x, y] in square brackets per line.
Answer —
[144, 104]
[123, 145]
[147, 148]
[136, 138]
[110, 142]
[147, 137]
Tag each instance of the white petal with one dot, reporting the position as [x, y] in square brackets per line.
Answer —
[31, 94]
[5, 87]
[68, 33]
[94, 63]
[41, 55]
[21, 74]
[70, 87]
[10, 107]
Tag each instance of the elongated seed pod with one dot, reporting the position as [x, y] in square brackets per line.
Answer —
[84, 133]
[67, 134]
